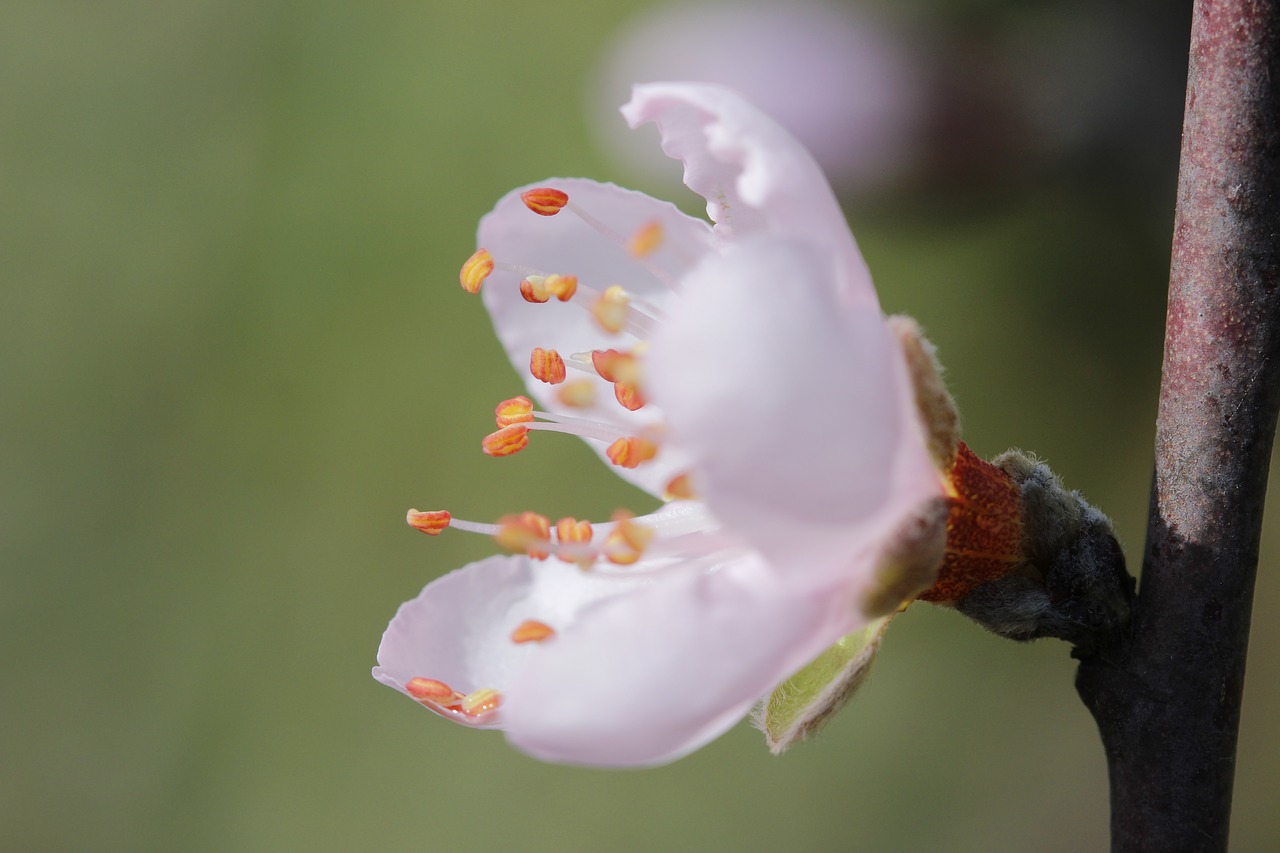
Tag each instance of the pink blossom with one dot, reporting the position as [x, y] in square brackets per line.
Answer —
[787, 57]
[745, 362]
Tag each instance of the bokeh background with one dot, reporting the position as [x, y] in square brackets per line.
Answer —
[234, 352]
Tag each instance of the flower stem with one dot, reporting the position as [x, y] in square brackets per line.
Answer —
[1167, 697]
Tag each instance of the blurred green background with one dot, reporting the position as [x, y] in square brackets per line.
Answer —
[234, 353]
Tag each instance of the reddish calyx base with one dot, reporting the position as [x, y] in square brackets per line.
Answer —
[984, 530]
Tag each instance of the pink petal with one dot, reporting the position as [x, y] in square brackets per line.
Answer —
[796, 407]
[754, 175]
[645, 678]
[565, 244]
[458, 630]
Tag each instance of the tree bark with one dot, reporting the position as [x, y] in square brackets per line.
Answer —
[1166, 696]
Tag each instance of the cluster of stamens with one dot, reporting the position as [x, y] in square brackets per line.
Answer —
[623, 541]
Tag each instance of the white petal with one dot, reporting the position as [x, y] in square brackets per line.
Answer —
[645, 678]
[458, 629]
[754, 175]
[796, 407]
[565, 244]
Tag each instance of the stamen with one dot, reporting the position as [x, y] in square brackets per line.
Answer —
[577, 394]
[616, 366]
[628, 396]
[630, 452]
[475, 270]
[627, 541]
[581, 427]
[508, 440]
[645, 240]
[435, 692]
[570, 529]
[562, 287]
[545, 201]
[430, 523]
[517, 410]
[533, 289]
[518, 269]
[610, 310]
[532, 631]
[527, 532]
[546, 365]
[679, 488]
[481, 701]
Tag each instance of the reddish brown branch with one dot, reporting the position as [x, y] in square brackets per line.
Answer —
[1167, 699]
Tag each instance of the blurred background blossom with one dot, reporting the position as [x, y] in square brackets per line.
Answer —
[234, 352]
[849, 85]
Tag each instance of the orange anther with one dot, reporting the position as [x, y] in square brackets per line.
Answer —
[527, 532]
[627, 541]
[430, 523]
[615, 366]
[532, 631]
[678, 489]
[481, 701]
[645, 240]
[628, 396]
[636, 535]
[632, 451]
[476, 270]
[610, 310]
[546, 365]
[577, 393]
[575, 537]
[533, 289]
[544, 201]
[562, 287]
[508, 440]
[605, 361]
[569, 529]
[430, 690]
[517, 410]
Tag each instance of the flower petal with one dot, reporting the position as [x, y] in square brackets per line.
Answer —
[645, 678]
[796, 406]
[754, 175]
[566, 244]
[458, 630]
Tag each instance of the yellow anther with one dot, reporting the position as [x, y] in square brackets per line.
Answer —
[577, 393]
[435, 692]
[430, 523]
[533, 289]
[628, 396]
[610, 310]
[631, 452]
[481, 701]
[562, 287]
[532, 631]
[645, 240]
[546, 365]
[678, 489]
[476, 270]
[508, 440]
[517, 410]
[544, 201]
[527, 532]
